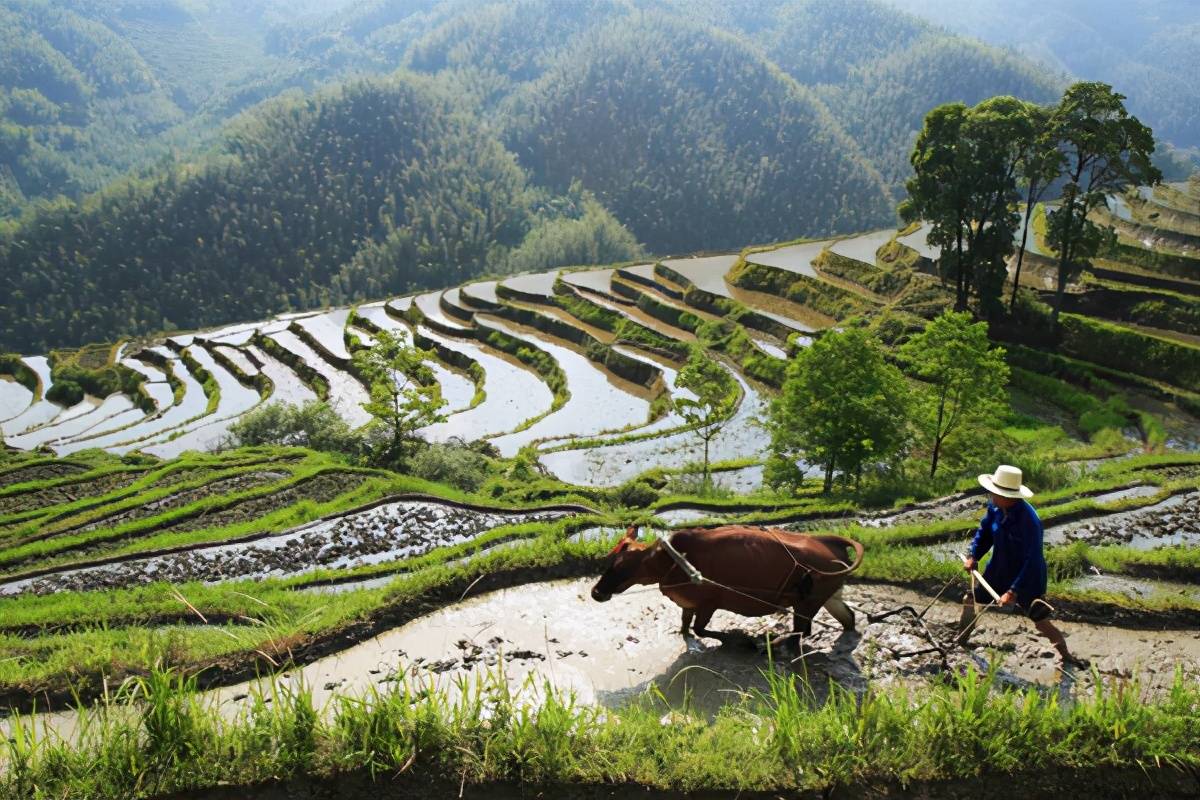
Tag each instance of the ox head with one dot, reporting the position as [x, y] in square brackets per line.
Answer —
[624, 567]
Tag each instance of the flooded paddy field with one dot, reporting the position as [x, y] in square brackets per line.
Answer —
[39, 412]
[513, 394]
[742, 437]
[346, 394]
[14, 398]
[379, 535]
[862, 248]
[599, 400]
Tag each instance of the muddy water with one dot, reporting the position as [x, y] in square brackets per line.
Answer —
[742, 437]
[429, 306]
[328, 329]
[595, 280]
[14, 398]
[707, 273]
[863, 248]
[384, 534]
[238, 358]
[918, 240]
[666, 422]
[111, 411]
[533, 283]
[484, 290]
[207, 433]
[346, 394]
[610, 653]
[288, 388]
[191, 406]
[796, 258]
[514, 394]
[599, 401]
[38, 413]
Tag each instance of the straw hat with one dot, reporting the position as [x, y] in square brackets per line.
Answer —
[1006, 482]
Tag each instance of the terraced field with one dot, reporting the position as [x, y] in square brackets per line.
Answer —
[129, 537]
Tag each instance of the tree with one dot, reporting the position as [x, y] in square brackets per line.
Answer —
[1106, 150]
[842, 406]
[314, 424]
[404, 395]
[1038, 167]
[964, 184]
[715, 393]
[964, 377]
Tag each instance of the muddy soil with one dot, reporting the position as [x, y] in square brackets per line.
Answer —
[230, 485]
[40, 472]
[1174, 521]
[320, 489]
[385, 533]
[611, 653]
[68, 493]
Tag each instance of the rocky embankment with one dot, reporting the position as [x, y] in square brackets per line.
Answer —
[386, 533]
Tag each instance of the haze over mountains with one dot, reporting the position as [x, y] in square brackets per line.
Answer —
[514, 136]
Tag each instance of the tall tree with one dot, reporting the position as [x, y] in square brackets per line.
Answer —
[1106, 150]
[404, 396]
[1038, 167]
[715, 396]
[963, 377]
[842, 406]
[965, 163]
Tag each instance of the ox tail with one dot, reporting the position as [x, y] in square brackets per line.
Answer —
[849, 544]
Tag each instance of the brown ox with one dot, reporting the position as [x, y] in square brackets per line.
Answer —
[750, 571]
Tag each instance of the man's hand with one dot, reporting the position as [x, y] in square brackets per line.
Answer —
[1008, 598]
[970, 564]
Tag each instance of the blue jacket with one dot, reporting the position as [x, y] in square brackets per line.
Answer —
[1015, 539]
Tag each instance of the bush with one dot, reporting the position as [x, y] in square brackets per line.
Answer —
[637, 493]
[453, 463]
[314, 424]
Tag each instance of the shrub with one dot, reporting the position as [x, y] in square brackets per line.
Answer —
[314, 424]
[637, 493]
[453, 463]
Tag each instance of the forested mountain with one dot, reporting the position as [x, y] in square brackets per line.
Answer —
[372, 188]
[692, 139]
[692, 124]
[1149, 50]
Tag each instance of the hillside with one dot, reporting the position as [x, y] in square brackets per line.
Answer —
[692, 140]
[1148, 50]
[126, 548]
[129, 84]
[366, 189]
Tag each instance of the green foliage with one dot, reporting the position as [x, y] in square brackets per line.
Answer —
[403, 395]
[453, 463]
[1105, 150]
[90, 370]
[880, 281]
[714, 394]
[963, 377]
[825, 298]
[1131, 351]
[315, 424]
[965, 165]
[12, 365]
[842, 406]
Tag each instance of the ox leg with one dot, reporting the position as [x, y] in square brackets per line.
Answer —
[840, 611]
[688, 615]
[700, 626]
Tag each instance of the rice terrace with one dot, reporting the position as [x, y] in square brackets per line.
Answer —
[548, 468]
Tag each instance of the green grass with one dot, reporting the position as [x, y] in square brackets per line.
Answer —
[158, 736]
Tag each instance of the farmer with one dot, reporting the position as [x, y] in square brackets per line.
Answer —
[1017, 570]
